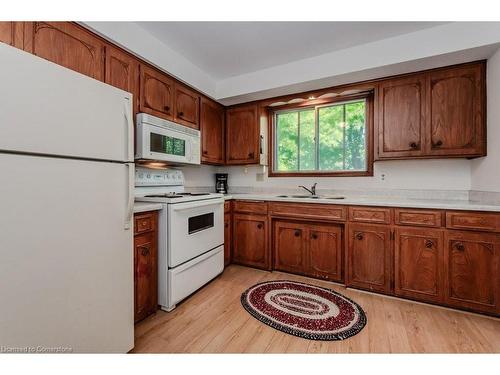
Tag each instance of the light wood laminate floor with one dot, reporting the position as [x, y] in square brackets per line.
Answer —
[213, 321]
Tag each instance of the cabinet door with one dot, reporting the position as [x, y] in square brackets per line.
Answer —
[66, 44]
[212, 132]
[122, 71]
[457, 111]
[325, 252]
[401, 117]
[156, 93]
[472, 271]
[145, 275]
[419, 263]
[289, 239]
[242, 135]
[369, 257]
[12, 33]
[250, 242]
[187, 104]
[227, 239]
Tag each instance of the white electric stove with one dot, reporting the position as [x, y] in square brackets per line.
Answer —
[191, 233]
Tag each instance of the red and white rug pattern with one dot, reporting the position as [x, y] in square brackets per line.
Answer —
[304, 310]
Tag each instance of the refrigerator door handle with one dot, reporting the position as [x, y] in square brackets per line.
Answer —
[128, 131]
[129, 212]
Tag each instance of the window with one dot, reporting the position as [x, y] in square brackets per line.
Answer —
[328, 139]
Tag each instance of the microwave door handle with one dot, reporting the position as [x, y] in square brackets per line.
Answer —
[197, 204]
[128, 130]
[129, 210]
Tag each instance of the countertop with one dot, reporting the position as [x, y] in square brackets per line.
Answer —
[147, 206]
[378, 201]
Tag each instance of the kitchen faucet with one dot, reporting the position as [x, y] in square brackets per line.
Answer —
[312, 190]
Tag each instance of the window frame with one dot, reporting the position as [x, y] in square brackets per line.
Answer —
[369, 97]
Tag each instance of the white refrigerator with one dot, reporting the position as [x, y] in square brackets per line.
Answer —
[66, 210]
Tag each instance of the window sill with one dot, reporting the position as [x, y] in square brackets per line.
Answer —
[321, 174]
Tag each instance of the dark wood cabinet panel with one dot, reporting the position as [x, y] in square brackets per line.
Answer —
[66, 44]
[145, 265]
[472, 271]
[227, 238]
[325, 252]
[369, 257]
[419, 264]
[212, 132]
[289, 247]
[250, 207]
[313, 211]
[187, 106]
[242, 135]
[401, 117]
[370, 214]
[12, 33]
[456, 111]
[478, 221]
[418, 218]
[250, 240]
[156, 93]
[122, 71]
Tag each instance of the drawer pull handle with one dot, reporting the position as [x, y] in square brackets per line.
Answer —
[359, 236]
[314, 236]
[414, 145]
[259, 226]
[439, 143]
[429, 244]
[459, 246]
[297, 233]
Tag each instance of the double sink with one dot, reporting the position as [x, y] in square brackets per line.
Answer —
[309, 196]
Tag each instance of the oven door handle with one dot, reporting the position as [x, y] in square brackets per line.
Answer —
[197, 204]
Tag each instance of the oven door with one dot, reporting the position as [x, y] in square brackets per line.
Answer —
[193, 229]
[158, 143]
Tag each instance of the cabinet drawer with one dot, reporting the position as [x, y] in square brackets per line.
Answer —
[251, 207]
[227, 207]
[370, 214]
[144, 222]
[309, 211]
[473, 221]
[423, 218]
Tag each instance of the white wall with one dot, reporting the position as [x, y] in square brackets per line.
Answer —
[446, 174]
[485, 173]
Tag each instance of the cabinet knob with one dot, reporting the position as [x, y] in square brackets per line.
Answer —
[145, 250]
[166, 108]
[180, 114]
[359, 236]
[459, 246]
[205, 152]
[226, 225]
[297, 233]
[314, 236]
[439, 143]
[414, 145]
[429, 244]
[259, 226]
[250, 154]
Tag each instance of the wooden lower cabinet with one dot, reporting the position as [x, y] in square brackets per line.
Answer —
[472, 271]
[145, 265]
[369, 257]
[419, 264]
[290, 246]
[250, 242]
[227, 238]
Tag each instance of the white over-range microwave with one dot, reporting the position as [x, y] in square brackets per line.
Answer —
[164, 140]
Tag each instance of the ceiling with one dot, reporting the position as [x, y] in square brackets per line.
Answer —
[227, 49]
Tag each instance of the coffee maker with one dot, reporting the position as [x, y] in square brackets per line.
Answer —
[221, 183]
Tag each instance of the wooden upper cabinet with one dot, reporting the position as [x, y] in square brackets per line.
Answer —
[325, 252]
[122, 71]
[156, 93]
[401, 117]
[242, 135]
[187, 106]
[66, 44]
[456, 110]
[11, 33]
[212, 132]
[369, 257]
[419, 264]
[472, 271]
